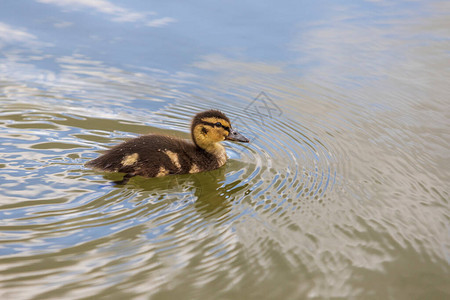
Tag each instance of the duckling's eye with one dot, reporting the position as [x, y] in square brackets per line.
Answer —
[218, 124]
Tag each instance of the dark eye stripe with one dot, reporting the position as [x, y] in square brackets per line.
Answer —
[218, 124]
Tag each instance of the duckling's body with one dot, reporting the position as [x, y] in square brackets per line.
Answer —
[158, 155]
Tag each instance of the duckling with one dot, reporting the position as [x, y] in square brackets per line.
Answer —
[158, 155]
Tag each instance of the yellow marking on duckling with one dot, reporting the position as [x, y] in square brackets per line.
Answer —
[194, 169]
[211, 145]
[221, 154]
[214, 120]
[130, 159]
[173, 158]
[162, 172]
[213, 135]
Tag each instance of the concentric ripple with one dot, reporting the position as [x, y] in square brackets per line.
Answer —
[60, 206]
[341, 193]
[283, 165]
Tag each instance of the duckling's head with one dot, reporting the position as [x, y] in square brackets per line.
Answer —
[212, 126]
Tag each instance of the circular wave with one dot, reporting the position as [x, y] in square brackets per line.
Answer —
[57, 206]
[284, 163]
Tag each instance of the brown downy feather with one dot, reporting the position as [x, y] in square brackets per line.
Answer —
[157, 155]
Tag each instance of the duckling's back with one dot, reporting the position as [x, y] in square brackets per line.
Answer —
[155, 156]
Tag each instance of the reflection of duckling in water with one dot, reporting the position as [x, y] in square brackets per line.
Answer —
[209, 191]
[158, 155]
[214, 195]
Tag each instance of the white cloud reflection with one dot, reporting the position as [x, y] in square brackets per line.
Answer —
[14, 35]
[160, 22]
[118, 13]
[9, 34]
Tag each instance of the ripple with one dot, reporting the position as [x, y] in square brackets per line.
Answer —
[284, 164]
[335, 182]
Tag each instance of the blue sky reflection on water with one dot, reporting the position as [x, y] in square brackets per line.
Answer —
[171, 35]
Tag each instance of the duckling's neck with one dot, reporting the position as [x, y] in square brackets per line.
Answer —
[219, 152]
[215, 149]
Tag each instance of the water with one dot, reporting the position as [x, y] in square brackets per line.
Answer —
[342, 192]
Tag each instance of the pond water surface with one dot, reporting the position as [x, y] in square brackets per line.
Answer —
[343, 190]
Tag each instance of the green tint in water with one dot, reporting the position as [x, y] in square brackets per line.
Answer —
[342, 192]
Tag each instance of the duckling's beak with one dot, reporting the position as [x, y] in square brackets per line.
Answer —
[236, 136]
